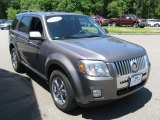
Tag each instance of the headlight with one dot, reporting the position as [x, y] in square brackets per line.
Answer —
[94, 68]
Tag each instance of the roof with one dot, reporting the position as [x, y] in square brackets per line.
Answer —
[47, 13]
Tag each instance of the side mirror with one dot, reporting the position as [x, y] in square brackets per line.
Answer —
[105, 30]
[36, 35]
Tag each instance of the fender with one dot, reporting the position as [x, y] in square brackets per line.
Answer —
[69, 68]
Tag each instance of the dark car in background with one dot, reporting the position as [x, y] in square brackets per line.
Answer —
[103, 21]
[6, 25]
[97, 21]
[128, 20]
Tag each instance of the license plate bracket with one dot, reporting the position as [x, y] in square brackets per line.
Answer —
[134, 80]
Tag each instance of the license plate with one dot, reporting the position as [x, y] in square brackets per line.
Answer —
[135, 80]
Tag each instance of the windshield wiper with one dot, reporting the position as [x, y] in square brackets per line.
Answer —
[94, 36]
[68, 37]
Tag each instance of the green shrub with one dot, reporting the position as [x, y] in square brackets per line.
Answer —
[11, 13]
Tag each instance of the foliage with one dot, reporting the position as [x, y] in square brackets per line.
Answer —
[11, 13]
[106, 8]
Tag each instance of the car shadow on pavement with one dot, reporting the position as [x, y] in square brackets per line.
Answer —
[117, 108]
[37, 79]
[17, 97]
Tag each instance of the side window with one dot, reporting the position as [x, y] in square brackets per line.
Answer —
[36, 25]
[24, 24]
[15, 22]
[123, 16]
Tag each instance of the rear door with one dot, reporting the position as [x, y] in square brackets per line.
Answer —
[23, 37]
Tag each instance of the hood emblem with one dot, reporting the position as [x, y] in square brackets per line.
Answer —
[134, 65]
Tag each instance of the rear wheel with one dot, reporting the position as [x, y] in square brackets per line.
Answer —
[61, 91]
[18, 67]
[157, 25]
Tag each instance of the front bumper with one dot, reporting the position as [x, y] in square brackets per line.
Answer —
[142, 24]
[111, 87]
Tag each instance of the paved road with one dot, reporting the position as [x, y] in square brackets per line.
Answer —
[26, 96]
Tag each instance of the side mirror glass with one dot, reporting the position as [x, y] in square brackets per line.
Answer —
[105, 30]
[36, 35]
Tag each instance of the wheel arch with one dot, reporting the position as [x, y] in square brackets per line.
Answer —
[60, 62]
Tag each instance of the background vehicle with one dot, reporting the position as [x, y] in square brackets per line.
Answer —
[151, 22]
[2, 21]
[79, 61]
[97, 21]
[6, 25]
[103, 21]
[157, 23]
[128, 20]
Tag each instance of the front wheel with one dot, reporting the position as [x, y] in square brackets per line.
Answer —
[135, 25]
[61, 91]
[157, 25]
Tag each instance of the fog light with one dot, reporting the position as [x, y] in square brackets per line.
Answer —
[97, 93]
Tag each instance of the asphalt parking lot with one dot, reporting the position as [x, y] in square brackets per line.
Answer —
[26, 96]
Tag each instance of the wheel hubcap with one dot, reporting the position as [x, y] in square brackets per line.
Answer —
[59, 91]
[14, 60]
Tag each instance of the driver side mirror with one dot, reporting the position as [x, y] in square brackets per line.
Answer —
[105, 30]
[35, 35]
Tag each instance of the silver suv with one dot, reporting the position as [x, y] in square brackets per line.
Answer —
[80, 62]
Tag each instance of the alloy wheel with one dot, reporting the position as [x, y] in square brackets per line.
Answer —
[59, 91]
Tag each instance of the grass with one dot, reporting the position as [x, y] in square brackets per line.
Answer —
[131, 30]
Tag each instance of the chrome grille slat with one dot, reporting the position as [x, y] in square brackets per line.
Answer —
[124, 67]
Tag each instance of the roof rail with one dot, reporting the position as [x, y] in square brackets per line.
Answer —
[24, 11]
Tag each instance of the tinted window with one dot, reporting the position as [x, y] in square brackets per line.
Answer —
[24, 24]
[15, 22]
[36, 25]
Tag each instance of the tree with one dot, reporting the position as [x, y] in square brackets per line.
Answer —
[117, 8]
[11, 13]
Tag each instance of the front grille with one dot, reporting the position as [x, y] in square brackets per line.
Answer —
[124, 67]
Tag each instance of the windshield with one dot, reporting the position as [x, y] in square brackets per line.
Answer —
[73, 26]
[133, 16]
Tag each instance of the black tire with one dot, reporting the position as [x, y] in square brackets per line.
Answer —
[70, 102]
[157, 25]
[135, 25]
[114, 24]
[20, 68]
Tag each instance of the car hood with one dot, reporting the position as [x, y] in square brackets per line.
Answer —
[108, 49]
